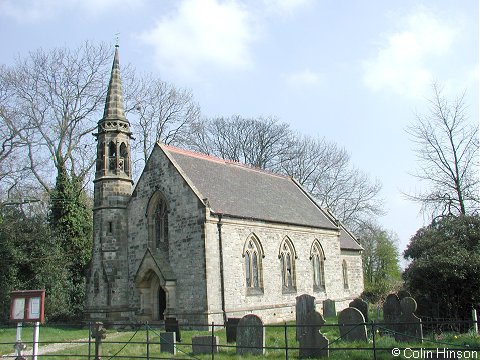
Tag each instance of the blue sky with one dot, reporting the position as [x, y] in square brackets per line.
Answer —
[353, 71]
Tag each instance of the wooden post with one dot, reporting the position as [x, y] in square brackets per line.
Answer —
[475, 320]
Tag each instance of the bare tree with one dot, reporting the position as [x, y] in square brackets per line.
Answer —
[325, 170]
[159, 112]
[321, 167]
[447, 147]
[261, 142]
[55, 98]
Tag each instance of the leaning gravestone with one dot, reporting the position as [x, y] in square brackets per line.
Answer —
[410, 326]
[250, 336]
[362, 306]
[312, 342]
[171, 324]
[391, 312]
[305, 304]
[352, 325]
[204, 344]
[329, 308]
[231, 328]
[167, 342]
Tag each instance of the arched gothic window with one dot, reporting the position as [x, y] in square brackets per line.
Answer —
[161, 224]
[318, 263]
[101, 155]
[287, 264]
[123, 162]
[112, 156]
[157, 213]
[345, 274]
[253, 263]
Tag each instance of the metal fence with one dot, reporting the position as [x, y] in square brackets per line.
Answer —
[142, 341]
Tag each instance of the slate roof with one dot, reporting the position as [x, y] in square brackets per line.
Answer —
[238, 190]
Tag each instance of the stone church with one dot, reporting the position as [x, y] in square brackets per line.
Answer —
[202, 239]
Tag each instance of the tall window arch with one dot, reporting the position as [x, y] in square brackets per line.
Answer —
[112, 156]
[287, 258]
[157, 213]
[345, 274]
[317, 257]
[253, 255]
[124, 158]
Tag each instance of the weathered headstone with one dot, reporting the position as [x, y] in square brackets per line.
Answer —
[410, 326]
[352, 325]
[250, 336]
[329, 308]
[391, 312]
[360, 305]
[171, 324]
[231, 328]
[167, 342]
[312, 342]
[204, 344]
[305, 304]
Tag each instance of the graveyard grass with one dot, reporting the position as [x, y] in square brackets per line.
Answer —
[274, 337]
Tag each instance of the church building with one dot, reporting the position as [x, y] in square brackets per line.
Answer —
[201, 239]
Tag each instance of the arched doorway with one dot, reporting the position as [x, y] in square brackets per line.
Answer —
[156, 288]
[162, 303]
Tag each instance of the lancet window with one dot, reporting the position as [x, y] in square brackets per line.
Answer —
[318, 264]
[287, 265]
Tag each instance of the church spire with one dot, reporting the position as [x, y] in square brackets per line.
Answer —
[114, 108]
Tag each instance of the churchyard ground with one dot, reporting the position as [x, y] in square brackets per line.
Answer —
[126, 344]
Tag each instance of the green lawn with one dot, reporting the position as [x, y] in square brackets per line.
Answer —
[275, 337]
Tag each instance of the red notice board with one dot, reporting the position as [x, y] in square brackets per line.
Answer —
[27, 306]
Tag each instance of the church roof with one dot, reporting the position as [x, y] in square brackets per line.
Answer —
[237, 190]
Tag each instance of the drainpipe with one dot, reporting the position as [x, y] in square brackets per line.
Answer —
[222, 280]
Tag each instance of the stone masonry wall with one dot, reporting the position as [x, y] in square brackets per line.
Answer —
[273, 305]
[186, 217]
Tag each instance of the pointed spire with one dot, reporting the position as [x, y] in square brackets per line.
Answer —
[114, 108]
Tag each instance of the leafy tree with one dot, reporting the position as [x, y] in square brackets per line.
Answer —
[380, 257]
[447, 147]
[71, 220]
[31, 259]
[444, 273]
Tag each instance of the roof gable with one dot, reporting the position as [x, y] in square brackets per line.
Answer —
[238, 190]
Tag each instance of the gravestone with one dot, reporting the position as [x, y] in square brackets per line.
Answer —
[305, 304]
[171, 324]
[167, 342]
[410, 326]
[391, 312]
[329, 308]
[352, 325]
[361, 305]
[312, 342]
[250, 336]
[231, 328]
[204, 344]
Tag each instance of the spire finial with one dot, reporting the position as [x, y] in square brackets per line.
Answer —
[117, 37]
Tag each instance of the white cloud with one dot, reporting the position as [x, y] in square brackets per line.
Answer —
[202, 33]
[404, 63]
[42, 10]
[304, 77]
[286, 6]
